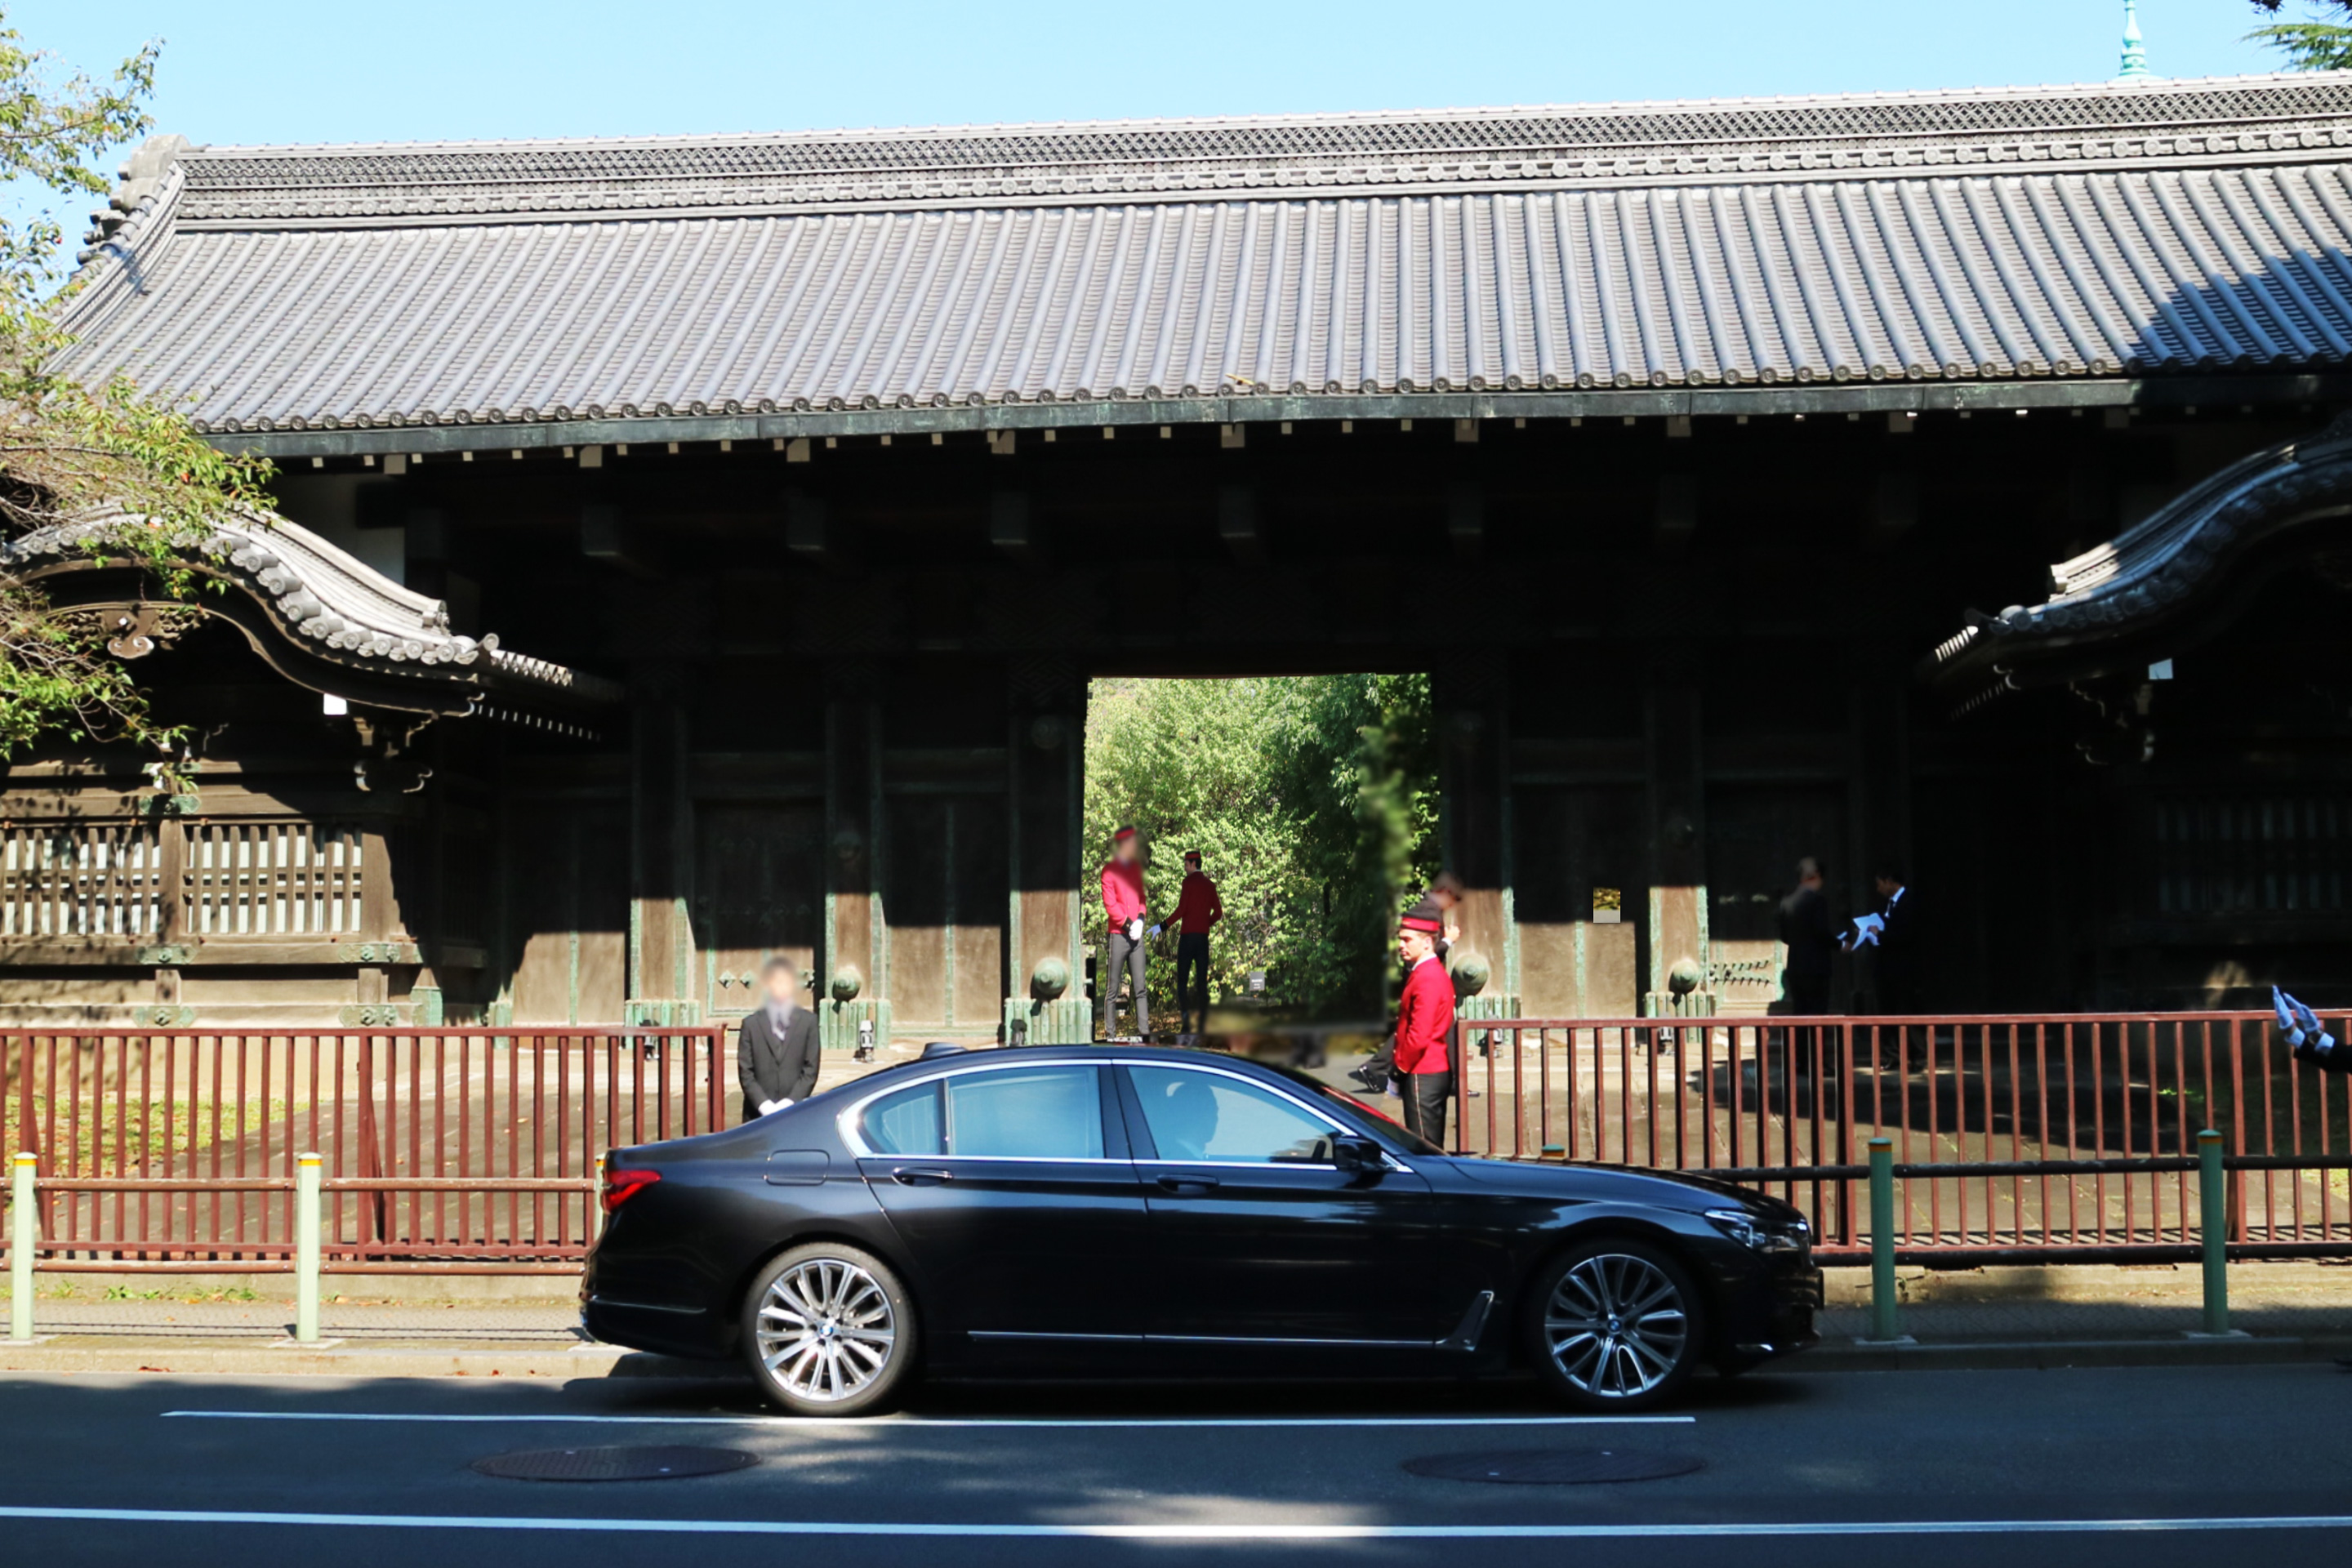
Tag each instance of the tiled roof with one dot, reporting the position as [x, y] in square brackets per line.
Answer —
[1908, 236]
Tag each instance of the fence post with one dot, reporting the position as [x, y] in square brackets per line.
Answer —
[23, 1237]
[309, 1171]
[1885, 1325]
[2213, 1230]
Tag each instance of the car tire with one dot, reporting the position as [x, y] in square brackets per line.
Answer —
[1613, 1325]
[828, 1329]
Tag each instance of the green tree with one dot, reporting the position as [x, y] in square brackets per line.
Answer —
[1356, 761]
[130, 470]
[2312, 46]
[1313, 801]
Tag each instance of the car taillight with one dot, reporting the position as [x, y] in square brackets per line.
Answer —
[622, 1186]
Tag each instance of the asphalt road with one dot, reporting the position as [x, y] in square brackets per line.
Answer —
[2087, 1467]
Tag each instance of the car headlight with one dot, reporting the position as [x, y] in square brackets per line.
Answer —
[1792, 1236]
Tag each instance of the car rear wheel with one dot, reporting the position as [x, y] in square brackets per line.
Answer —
[828, 1331]
[1613, 1325]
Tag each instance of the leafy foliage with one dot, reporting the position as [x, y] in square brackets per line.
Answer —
[2312, 46]
[1313, 801]
[104, 456]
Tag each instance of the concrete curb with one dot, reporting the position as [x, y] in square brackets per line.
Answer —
[354, 1362]
[2008, 1355]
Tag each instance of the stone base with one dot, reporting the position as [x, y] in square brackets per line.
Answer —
[836, 1023]
[661, 1012]
[1064, 1021]
[1666, 1005]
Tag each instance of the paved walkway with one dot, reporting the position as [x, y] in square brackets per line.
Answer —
[1978, 1307]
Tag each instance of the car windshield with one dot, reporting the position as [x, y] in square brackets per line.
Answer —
[1347, 1109]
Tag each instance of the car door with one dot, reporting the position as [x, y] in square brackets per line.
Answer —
[1255, 1235]
[1010, 1185]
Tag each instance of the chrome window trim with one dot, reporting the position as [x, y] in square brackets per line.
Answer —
[847, 1122]
[1005, 1159]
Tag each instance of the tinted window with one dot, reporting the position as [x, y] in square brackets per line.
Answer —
[1208, 1116]
[907, 1123]
[1038, 1113]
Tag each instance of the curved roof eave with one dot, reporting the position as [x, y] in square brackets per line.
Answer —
[327, 605]
[2163, 584]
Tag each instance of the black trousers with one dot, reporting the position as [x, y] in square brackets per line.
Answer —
[1425, 1094]
[1192, 974]
[1808, 994]
[1121, 953]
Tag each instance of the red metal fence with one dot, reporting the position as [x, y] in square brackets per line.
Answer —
[445, 1151]
[473, 1150]
[2089, 1122]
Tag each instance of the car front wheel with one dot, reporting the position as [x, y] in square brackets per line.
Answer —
[1613, 1325]
[828, 1331]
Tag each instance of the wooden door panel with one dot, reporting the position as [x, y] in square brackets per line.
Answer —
[568, 915]
[758, 891]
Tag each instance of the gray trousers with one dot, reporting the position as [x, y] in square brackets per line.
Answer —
[1121, 953]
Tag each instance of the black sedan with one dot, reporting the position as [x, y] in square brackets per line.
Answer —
[1069, 1210]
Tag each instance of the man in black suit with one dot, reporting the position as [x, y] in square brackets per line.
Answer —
[1899, 957]
[1805, 931]
[776, 1050]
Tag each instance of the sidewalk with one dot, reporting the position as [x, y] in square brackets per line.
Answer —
[2076, 1315]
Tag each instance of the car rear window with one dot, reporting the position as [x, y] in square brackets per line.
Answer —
[1040, 1113]
[1035, 1114]
[907, 1123]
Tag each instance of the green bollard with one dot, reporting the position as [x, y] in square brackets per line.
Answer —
[2213, 1233]
[1883, 1323]
[309, 1174]
[24, 1237]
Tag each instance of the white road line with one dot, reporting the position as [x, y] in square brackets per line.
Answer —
[1237, 1533]
[903, 1422]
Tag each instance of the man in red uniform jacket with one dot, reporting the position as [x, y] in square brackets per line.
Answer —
[1197, 909]
[1424, 1023]
[1122, 896]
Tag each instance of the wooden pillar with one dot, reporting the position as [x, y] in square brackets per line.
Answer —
[1677, 812]
[856, 941]
[1046, 924]
[661, 939]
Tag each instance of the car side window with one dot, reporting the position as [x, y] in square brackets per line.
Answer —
[1209, 1116]
[907, 1123]
[1032, 1113]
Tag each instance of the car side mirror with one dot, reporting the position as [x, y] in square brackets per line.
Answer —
[1355, 1153]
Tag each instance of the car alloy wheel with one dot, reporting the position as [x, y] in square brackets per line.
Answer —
[1618, 1326]
[828, 1329]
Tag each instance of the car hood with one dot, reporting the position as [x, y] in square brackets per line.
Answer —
[1670, 1189]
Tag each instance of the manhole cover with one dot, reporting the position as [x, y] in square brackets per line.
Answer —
[645, 1464]
[1554, 1467]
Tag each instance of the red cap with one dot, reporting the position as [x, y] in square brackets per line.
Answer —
[1415, 923]
[1122, 835]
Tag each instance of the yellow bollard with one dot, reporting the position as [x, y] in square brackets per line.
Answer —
[309, 1175]
[24, 1239]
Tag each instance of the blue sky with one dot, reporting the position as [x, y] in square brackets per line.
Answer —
[256, 70]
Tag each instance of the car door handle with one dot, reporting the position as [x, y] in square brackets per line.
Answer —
[920, 1177]
[1188, 1184]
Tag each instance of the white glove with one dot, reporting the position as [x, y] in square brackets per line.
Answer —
[769, 1106]
[1135, 928]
